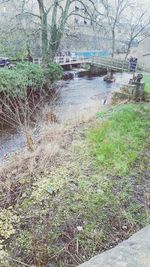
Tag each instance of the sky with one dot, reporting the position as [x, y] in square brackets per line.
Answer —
[144, 3]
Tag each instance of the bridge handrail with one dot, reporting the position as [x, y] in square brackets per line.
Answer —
[107, 59]
[111, 63]
[68, 59]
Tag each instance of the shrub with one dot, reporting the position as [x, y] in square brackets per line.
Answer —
[16, 82]
[12, 82]
[26, 76]
[33, 73]
[52, 73]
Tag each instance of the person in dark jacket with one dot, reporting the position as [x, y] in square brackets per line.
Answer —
[130, 63]
[134, 64]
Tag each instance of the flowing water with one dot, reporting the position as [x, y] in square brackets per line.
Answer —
[73, 97]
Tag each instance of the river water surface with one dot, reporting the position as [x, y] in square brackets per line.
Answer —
[73, 97]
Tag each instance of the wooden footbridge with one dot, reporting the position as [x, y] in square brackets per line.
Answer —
[110, 63]
[101, 62]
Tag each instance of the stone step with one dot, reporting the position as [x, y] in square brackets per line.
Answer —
[134, 252]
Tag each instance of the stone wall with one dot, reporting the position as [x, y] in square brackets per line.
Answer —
[130, 92]
[134, 252]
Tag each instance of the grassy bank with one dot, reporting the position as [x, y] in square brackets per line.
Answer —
[147, 83]
[92, 195]
[117, 141]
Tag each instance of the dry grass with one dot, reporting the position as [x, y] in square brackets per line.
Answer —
[59, 191]
[51, 138]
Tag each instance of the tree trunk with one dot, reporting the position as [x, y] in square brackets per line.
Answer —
[44, 31]
[57, 31]
[28, 137]
[51, 39]
[54, 43]
[44, 38]
[113, 43]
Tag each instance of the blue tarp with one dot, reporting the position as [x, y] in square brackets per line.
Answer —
[87, 54]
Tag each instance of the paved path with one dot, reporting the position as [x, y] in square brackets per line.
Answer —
[134, 252]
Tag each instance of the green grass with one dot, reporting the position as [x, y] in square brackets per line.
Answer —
[147, 83]
[117, 140]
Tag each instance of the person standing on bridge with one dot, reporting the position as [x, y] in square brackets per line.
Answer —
[134, 64]
[130, 63]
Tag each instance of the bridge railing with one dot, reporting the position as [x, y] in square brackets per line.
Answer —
[111, 62]
[37, 61]
[68, 59]
[116, 63]
[63, 60]
[106, 62]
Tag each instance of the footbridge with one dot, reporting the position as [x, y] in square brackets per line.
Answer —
[101, 62]
[110, 63]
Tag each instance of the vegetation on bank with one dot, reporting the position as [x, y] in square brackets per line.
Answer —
[93, 195]
[147, 83]
[17, 81]
[116, 142]
[22, 93]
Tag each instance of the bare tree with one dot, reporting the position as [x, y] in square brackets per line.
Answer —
[19, 112]
[113, 11]
[138, 27]
[14, 36]
[52, 19]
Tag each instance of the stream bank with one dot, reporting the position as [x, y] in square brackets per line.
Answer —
[73, 98]
[86, 197]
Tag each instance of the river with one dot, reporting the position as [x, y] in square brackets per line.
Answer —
[73, 97]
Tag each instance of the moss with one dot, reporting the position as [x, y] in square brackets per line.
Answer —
[7, 219]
